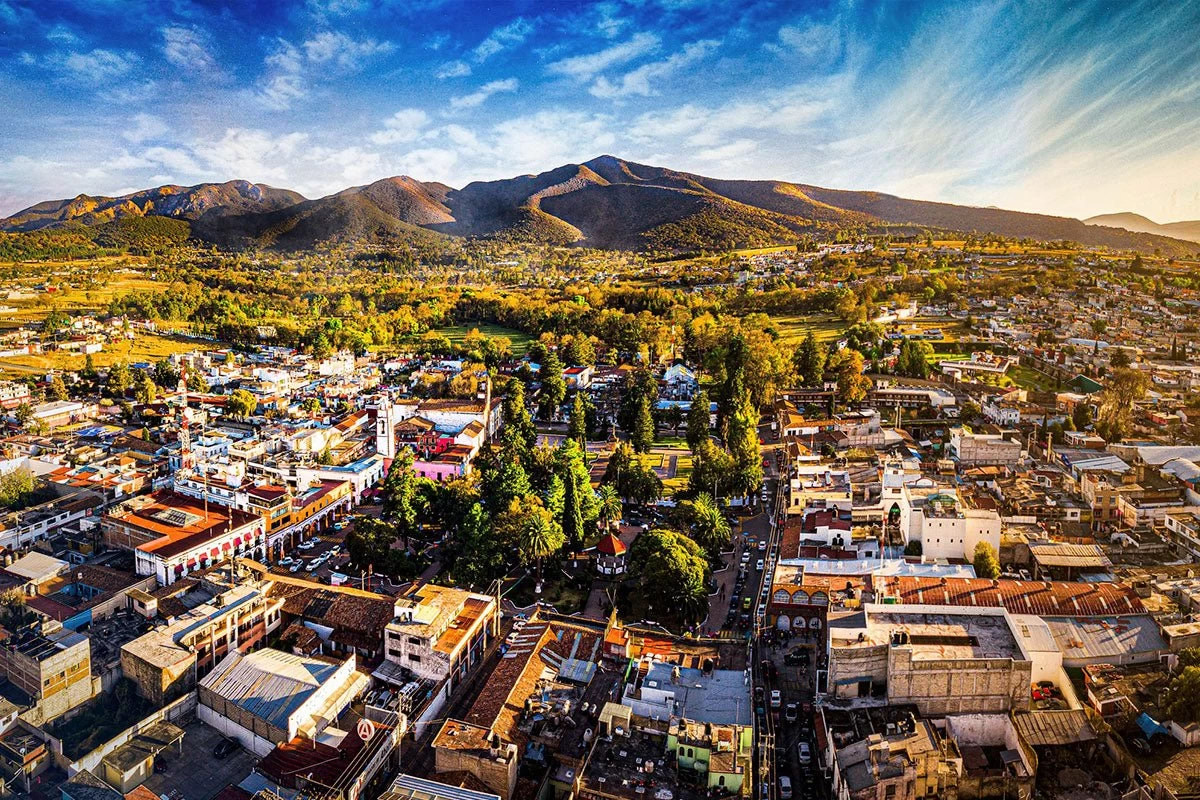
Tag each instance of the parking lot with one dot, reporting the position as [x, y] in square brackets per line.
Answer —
[195, 773]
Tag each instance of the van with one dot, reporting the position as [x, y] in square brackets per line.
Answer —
[785, 787]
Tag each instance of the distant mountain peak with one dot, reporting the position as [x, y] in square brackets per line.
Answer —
[606, 201]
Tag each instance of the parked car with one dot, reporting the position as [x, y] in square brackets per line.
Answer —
[1141, 745]
[759, 565]
[776, 699]
[803, 754]
[785, 787]
[299, 565]
[791, 713]
[286, 561]
[225, 748]
[309, 545]
[762, 545]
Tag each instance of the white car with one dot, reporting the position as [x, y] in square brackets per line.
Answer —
[776, 699]
[759, 565]
[803, 754]
[286, 561]
[296, 567]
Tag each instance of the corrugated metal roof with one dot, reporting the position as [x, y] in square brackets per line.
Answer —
[1054, 728]
[410, 787]
[269, 684]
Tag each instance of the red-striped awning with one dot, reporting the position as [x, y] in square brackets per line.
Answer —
[215, 552]
[191, 562]
[237, 540]
[178, 568]
[226, 546]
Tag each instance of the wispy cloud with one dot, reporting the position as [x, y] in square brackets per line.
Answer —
[453, 69]
[335, 47]
[584, 67]
[94, 66]
[145, 126]
[478, 97]
[503, 38]
[638, 81]
[188, 48]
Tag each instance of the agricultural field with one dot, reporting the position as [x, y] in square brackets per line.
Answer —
[143, 347]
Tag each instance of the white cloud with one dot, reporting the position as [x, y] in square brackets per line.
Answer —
[477, 98]
[188, 48]
[810, 39]
[453, 69]
[437, 41]
[402, 127]
[145, 126]
[585, 66]
[736, 149]
[638, 81]
[337, 48]
[98, 65]
[503, 38]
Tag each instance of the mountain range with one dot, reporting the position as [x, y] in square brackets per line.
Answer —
[1187, 230]
[606, 202]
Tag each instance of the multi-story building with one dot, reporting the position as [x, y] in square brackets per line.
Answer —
[1182, 527]
[172, 535]
[978, 449]
[938, 518]
[167, 661]
[440, 633]
[943, 660]
[51, 664]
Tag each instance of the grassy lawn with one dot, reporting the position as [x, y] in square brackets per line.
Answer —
[146, 347]
[456, 333]
[683, 475]
[1029, 378]
[794, 327]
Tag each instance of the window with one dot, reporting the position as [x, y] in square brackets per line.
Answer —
[416, 640]
[414, 658]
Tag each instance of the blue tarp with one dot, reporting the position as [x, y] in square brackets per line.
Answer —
[1150, 726]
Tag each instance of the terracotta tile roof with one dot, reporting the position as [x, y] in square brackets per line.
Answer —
[1044, 598]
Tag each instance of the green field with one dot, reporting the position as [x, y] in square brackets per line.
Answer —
[794, 327]
[456, 333]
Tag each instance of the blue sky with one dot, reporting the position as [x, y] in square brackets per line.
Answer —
[1073, 108]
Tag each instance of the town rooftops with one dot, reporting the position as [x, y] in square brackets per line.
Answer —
[441, 613]
[1064, 554]
[409, 787]
[270, 684]
[933, 632]
[181, 523]
[1043, 598]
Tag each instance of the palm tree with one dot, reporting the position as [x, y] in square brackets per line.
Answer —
[532, 530]
[610, 505]
[710, 529]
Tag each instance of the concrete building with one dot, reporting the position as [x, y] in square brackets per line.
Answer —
[166, 662]
[944, 524]
[269, 697]
[440, 633]
[942, 660]
[172, 535]
[51, 664]
[904, 757]
[978, 449]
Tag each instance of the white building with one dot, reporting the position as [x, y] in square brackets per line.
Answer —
[269, 697]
